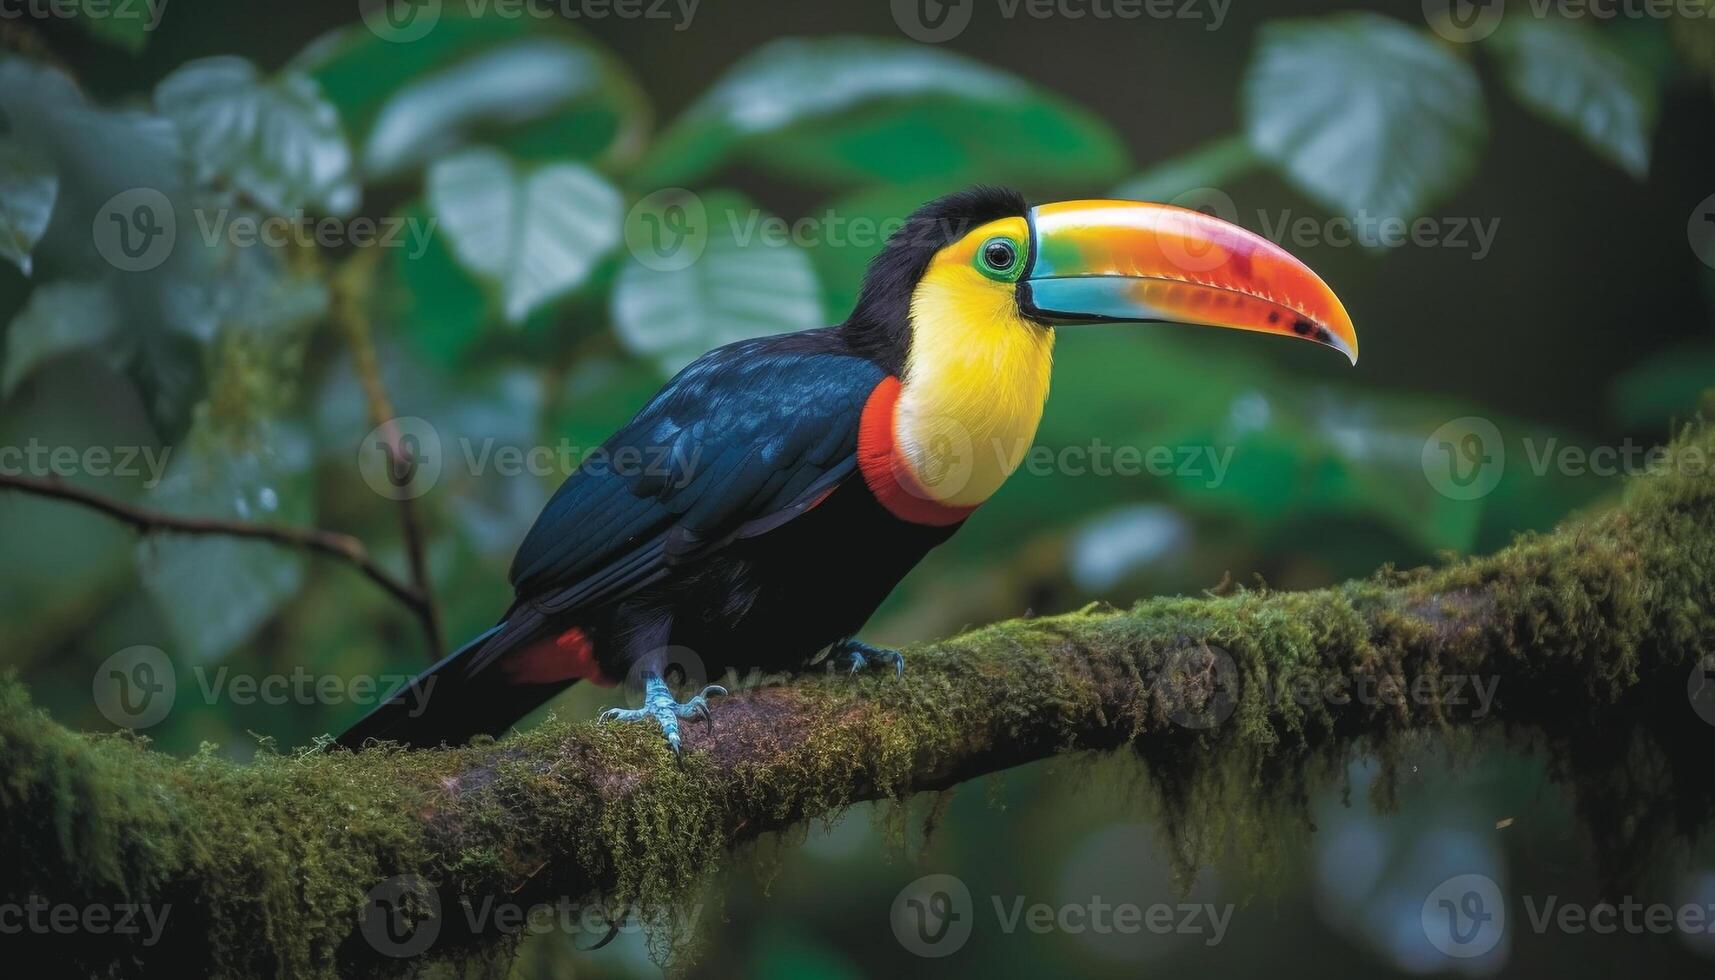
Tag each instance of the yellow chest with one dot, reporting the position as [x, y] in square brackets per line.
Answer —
[973, 389]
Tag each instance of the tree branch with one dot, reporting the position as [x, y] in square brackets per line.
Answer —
[348, 288]
[266, 866]
[144, 520]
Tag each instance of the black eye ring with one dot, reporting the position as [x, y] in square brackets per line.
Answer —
[999, 254]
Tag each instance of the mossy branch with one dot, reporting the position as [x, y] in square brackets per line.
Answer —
[265, 866]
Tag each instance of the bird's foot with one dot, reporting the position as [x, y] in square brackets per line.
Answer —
[659, 706]
[858, 655]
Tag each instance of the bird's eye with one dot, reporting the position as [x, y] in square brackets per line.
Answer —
[999, 256]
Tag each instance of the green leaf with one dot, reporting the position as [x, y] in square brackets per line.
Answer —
[1571, 74]
[216, 591]
[105, 159]
[126, 25]
[844, 110]
[28, 188]
[535, 234]
[599, 395]
[61, 317]
[1280, 454]
[1369, 117]
[734, 281]
[1211, 165]
[442, 309]
[539, 88]
[1663, 387]
[1340, 455]
[277, 140]
[255, 289]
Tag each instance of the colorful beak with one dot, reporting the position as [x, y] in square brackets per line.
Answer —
[1127, 261]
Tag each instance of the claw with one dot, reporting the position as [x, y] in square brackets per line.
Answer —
[659, 707]
[861, 655]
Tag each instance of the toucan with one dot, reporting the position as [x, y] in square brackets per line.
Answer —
[817, 468]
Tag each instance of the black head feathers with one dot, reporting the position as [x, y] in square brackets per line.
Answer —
[880, 324]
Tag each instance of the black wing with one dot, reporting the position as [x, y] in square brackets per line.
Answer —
[740, 441]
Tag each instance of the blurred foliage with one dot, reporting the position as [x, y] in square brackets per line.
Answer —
[520, 163]
[528, 301]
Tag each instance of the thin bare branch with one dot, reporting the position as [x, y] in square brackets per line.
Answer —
[349, 288]
[144, 520]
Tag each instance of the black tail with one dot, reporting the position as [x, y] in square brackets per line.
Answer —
[459, 697]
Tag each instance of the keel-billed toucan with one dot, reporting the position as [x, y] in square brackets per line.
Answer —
[829, 461]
